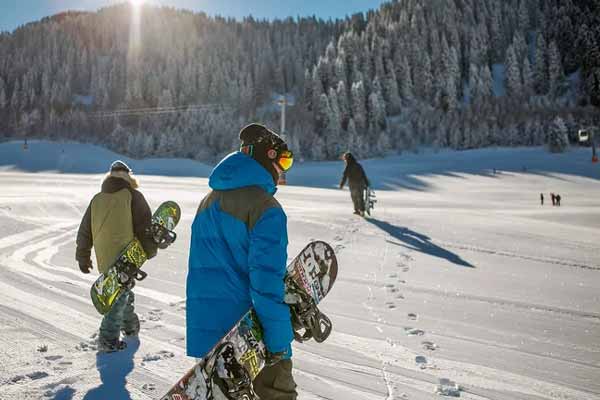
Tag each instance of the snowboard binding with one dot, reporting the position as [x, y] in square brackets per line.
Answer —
[228, 376]
[162, 236]
[129, 273]
[306, 316]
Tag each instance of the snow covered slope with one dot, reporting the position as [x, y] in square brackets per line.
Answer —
[460, 274]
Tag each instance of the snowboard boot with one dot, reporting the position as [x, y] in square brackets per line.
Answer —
[110, 346]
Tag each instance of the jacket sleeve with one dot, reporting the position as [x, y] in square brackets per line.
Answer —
[364, 176]
[142, 220]
[344, 177]
[83, 253]
[267, 258]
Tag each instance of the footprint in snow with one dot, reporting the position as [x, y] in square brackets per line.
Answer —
[34, 376]
[149, 386]
[414, 331]
[338, 238]
[412, 316]
[405, 269]
[155, 315]
[427, 345]
[421, 362]
[390, 305]
[177, 303]
[161, 355]
[338, 248]
[53, 358]
[400, 296]
[393, 275]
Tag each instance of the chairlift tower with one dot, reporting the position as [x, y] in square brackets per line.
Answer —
[588, 135]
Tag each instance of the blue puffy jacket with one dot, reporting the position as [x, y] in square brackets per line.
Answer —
[238, 255]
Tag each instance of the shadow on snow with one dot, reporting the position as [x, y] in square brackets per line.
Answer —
[417, 241]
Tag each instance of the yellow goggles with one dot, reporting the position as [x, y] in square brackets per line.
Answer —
[285, 159]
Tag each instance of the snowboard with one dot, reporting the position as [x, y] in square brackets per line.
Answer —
[369, 200]
[228, 370]
[126, 269]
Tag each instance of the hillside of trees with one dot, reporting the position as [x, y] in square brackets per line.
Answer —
[446, 73]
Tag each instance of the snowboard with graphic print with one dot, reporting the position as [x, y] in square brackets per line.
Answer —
[228, 370]
[126, 270]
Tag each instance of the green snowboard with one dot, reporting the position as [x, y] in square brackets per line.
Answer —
[126, 270]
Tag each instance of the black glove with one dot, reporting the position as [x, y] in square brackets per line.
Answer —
[86, 266]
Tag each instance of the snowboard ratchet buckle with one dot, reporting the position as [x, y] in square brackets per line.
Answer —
[306, 315]
[162, 236]
[238, 384]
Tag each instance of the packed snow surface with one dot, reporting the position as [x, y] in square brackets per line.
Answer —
[460, 284]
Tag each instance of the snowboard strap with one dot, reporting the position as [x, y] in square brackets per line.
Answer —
[237, 384]
[306, 315]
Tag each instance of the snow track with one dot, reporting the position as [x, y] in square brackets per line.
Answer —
[428, 288]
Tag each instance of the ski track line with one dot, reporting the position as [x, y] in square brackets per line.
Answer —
[489, 300]
[458, 371]
[78, 324]
[29, 235]
[503, 253]
[467, 339]
[17, 261]
[389, 386]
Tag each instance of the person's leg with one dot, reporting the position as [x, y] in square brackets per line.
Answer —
[356, 199]
[110, 328]
[276, 382]
[131, 322]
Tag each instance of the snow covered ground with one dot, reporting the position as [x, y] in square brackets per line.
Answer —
[460, 274]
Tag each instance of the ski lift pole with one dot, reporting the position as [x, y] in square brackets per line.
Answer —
[282, 102]
[593, 140]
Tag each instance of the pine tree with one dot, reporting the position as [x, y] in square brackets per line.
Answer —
[359, 110]
[558, 140]
[555, 70]
[3, 100]
[541, 65]
[513, 74]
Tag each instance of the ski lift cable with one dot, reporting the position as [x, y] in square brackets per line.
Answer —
[156, 110]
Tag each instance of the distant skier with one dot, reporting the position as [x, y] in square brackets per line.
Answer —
[558, 200]
[542, 198]
[357, 181]
[114, 217]
[238, 256]
[553, 197]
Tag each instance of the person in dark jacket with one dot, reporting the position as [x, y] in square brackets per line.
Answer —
[542, 198]
[238, 255]
[357, 181]
[115, 216]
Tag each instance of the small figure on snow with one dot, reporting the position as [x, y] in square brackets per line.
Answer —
[115, 216]
[357, 181]
[553, 197]
[558, 200]
[542, 198]
[238, 256]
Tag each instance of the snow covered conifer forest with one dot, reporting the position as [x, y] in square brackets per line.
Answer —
[460, 74]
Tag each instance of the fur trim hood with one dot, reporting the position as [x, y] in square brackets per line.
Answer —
[129, 178]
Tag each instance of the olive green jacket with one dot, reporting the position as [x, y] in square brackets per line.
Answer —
[114, 217]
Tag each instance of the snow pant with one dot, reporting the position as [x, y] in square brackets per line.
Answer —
[121, 317]
[276, 382]
[357, 195]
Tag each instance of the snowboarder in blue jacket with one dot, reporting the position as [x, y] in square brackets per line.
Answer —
[238, 255]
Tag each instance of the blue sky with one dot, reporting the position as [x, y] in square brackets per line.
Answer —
[17, 12]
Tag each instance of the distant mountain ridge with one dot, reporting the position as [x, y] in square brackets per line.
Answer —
[413, 72]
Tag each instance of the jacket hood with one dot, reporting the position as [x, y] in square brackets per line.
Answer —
[238, 170]
[112, 184]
